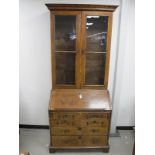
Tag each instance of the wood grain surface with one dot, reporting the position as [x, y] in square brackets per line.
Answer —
[79, 99]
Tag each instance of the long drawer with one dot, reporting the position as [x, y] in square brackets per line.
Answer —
[79, 131]
[80, 122]
[64, 141]
[79, 115]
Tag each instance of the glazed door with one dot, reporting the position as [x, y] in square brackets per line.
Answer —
[65, 28]
[96, 31]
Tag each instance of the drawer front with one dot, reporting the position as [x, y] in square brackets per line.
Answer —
[65, 115]
[81, 123]
[64, 123]
[57, 131]
[97, 140]
[81, 119]
[95, 122]
[95, 131]
[95, 115]
[80, 115]
[64, 141]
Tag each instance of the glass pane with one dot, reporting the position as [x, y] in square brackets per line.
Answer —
[65, 68]
[96, 33]
[95, 68]
[65, 33]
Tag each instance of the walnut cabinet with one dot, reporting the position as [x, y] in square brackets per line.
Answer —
[80, 108]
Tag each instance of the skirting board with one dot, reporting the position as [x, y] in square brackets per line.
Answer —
[125, 127]
[27, 126]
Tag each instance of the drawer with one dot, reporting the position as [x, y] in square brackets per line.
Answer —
[93, 122]
[65, 115]
[95, 131]
[64, 141]
[64, 123]
[80, 123]
[82, 119]
[79, 115]
[66, 131]
[57, 131]
[95, 115]
[97, 140]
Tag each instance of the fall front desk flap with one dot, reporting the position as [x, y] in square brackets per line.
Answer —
[79, 99]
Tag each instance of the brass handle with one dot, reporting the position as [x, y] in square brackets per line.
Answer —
[79, 137]
[64, 116]
[93, 130]
[66, 130]
[79, 128]
[102, 123]
[94, 122]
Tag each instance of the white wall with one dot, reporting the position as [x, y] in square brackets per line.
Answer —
[124, 90]
[108, 2]
[35, 77]
[126, 63]
[35, 82]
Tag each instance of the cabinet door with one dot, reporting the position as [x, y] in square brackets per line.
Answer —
[96, 33]
[65, 28]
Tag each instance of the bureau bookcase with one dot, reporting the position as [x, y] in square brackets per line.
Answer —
[80, 107]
